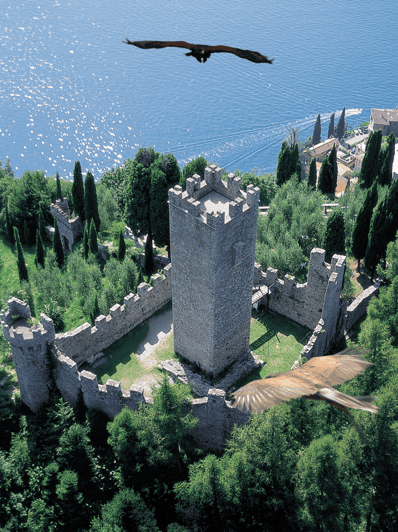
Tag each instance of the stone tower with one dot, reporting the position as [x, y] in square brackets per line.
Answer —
[29, 351]
[69, 228]
[213, 230]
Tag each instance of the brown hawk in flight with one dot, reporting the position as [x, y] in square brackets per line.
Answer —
[202, 52]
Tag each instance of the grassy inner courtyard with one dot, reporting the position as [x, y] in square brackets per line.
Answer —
[273, 338]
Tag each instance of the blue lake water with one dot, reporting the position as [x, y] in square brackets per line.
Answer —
[70, 90]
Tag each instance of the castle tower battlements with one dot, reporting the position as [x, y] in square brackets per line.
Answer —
[69, 228]
[29, 350]
[213, 230]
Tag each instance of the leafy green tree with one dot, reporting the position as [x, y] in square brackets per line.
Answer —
[265, 182]
[41, 517]
[91, 202]
[8, 168]
[320, 488]
[312, 174]
[108, 208]
[295, 163]
[85, 242]
[197, 166]
[331, 126]
[40, 251]
[114, 181]
[124, 513]
[10, 231]
[325, 180]
[70, 502]
[362, 225]
[92, 242]
[78, 191]
[316, 135]
[42, 229]
[385, 175]
[334, 240]
[370, 163]
[26, 233]
[57, 245]
[122, 247]
[22, 271]
[340, 129]
[59, 191]
[392, 211]
[145, 202]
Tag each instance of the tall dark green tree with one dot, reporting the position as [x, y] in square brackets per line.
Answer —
[10, 230]
[59, 191]
[22, 271]
[370, 163]
[8, 168]
[92, 240]
[146, 209]
[316, 135]
[385, 175]
[41, 227]
[340, 129]
[333, 163]
[361, 229]
[78, 191]
[334, 239]
[57, 245]
[331, 126]
[26, 233]
[40, 251]
[377, 241]
[283, 167]
[95, 311]
[312, 174]
[295, 163]
[197, 166]
[391, 227]
[325, 180]
[85, 241]
[121, 252]
[90, 201]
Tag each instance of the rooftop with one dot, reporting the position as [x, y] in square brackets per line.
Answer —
[215, 202]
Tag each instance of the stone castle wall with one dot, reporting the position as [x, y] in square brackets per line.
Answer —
[85, 341]
[69, 228]
[304, 303]
[213, 230]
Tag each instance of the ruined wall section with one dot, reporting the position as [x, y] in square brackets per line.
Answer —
[69, 228]
[304, 303]
[86, 341]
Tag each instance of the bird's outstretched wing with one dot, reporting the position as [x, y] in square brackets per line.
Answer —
[255, 57]
[314, 378]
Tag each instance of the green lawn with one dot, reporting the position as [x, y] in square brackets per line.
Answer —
[273, 338]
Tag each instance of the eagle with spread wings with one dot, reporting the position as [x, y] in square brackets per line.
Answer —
[312, 380]
[202, 52]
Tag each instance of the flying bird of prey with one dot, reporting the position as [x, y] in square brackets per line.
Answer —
[312, 380]
[202, 52]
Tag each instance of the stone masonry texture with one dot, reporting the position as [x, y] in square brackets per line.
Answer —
[213, 230]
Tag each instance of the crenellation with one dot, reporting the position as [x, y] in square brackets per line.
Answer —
[113, 386]
[253, 197]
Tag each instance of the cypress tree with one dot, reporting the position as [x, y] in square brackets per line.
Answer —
[334, 239]
[90, 201]
[312, 174]
[391, 226]
[59, 192]
[377, 242]
[42, 229]
[385, 175]
[316, 136]
[295, 163]
[78, 191]
[40, 251]
[333, 164]
[57, 245]
[370, 164]
[361, 229]
[283, 166]
[92, 241]
[10, 230]
[331, 127]
[85, 242]
[95, 311]
[140, 278]
[26, 233]
[340, 129]
[122, 247]
[148, 265]
[325, 181]
[22, 271]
